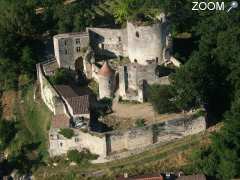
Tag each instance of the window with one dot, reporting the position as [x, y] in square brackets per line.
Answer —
[102, 45]
[119, 39]
[78, 41]
[135, 61]
[65, 42]
[156, 59]
[137, 34]
[61, 144]
[66, 52]
[78, 49]
[76, 140]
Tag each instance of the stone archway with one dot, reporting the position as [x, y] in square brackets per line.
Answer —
[79, 64]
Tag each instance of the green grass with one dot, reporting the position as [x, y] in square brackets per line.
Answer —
[37, 120]
[33, 123]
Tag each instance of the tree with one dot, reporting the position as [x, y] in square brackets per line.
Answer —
[81, 158]
[28, 61]
[62, 76]
[161, 98]
[9, 74]
[221, 159]
[131, 9]
[7, 133]
[67, 132]
[19, 25]
[18, 22]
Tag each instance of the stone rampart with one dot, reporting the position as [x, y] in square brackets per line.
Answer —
[49, 95]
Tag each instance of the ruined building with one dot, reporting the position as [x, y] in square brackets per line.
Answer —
[145, 46]
[91, 54]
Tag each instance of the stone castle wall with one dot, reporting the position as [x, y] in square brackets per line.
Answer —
[108, 42]
[157, 133]
[142, 44]
[49, 94]
[112, 144]
[146, 42]
[59, 145]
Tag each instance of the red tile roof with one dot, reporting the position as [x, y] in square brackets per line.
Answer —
[60, 121]
[79, 104]
[105, 70]
[65, 91]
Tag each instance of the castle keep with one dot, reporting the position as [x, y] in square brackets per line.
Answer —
[98, 55]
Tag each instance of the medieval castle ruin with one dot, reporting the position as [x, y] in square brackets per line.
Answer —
[91, 53]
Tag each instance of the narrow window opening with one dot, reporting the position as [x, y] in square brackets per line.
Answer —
[78, 49]
[137, 34]
[78, 41]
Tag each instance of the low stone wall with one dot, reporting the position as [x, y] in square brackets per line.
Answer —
[156, 133]
[117, 144]
[59, 145]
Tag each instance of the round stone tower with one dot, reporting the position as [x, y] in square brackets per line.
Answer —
[106, 81]
[146, 43]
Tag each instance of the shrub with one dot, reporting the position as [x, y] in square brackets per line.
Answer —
[66, 132]
[82, 157]
[62, 76]
[161, 97]
[140, 123]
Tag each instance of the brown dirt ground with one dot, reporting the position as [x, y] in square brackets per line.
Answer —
[8, 103]
[125, 115]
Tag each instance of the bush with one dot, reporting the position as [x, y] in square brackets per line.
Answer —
[161, 97]
[104, 106]
[62, 76]
[66, 132]
[140, 123]
[82, 157]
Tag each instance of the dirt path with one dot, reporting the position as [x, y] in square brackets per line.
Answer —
[8, 104]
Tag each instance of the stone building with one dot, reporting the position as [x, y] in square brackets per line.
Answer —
[142, 44]
[69, 49]
[106, 81]
[134, 78]
[87, 53]
[145, 45]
